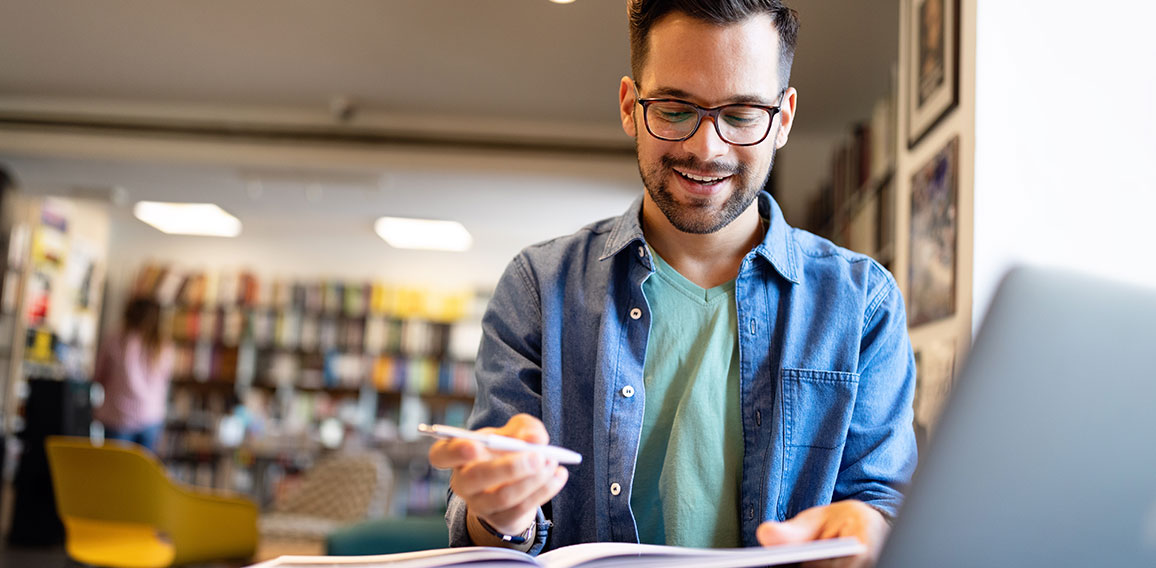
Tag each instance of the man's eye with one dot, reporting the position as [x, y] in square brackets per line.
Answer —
[743, 117]
[674, 115]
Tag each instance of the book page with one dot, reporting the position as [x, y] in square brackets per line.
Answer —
[476, 556]
[590, 555]
[613, 554]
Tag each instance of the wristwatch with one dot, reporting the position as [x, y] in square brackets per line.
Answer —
[526, 535]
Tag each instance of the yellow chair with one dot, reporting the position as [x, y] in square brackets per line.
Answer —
[121, 510]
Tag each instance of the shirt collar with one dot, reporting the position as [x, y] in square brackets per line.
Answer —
[777, 247]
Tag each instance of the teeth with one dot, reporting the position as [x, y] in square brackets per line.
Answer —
[702, 179]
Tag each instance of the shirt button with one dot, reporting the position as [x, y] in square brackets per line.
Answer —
[627, 391]
[615, 489]
[635, 313]
[642, 252]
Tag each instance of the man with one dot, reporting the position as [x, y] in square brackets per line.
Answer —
[719, 371]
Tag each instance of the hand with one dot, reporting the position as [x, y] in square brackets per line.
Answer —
[845, 518]
[503, 488]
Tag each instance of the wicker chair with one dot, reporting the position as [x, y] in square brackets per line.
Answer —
[340, 490]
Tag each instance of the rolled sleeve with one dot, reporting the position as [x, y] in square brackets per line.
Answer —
[880, 454]
[509, 376]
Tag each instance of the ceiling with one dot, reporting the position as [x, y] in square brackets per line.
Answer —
[455, 60]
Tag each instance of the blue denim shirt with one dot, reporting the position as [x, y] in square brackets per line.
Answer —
[827, 374]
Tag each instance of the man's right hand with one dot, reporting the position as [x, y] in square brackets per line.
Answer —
[503, 488]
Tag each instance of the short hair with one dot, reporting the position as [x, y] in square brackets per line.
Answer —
[643, 14]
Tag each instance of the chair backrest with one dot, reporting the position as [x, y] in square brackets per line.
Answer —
[343, 487]
[122, 482]
[117, 481]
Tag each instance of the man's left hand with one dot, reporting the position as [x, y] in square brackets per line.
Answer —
[845, 518]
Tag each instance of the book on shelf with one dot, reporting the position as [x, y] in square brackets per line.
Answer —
[591, 555]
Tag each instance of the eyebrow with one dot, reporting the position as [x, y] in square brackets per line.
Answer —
[671, 92]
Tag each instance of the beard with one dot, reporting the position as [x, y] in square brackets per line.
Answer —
[697, 216]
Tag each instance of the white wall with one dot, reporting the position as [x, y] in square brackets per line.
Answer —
[1065, 139]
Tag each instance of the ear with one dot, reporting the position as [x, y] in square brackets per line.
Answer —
[626, 106]
[786, 116]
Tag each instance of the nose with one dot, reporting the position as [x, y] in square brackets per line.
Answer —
[705, 144]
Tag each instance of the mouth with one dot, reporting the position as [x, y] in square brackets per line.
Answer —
[702, 179]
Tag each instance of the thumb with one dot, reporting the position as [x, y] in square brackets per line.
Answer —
[803, 528]
[526, 427]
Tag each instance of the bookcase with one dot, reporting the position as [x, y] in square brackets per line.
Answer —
[855, 206]
[271, 374]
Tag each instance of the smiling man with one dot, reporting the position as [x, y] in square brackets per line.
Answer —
[730, 380]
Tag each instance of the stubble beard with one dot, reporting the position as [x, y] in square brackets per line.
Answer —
[696, 216]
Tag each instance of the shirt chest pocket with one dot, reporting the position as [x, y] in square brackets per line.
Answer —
[817, 407]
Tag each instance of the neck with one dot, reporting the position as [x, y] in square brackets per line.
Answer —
[707, 260]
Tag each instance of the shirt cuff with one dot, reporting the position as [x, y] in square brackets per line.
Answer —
[460, 536]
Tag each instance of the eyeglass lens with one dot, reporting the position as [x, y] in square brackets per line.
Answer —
[737, 124]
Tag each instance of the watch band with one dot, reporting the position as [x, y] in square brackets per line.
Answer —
[518, 539]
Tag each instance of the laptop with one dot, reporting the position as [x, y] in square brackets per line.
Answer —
[1046, 451]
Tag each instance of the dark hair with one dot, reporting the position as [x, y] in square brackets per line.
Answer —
[142, 316]
[643, 14]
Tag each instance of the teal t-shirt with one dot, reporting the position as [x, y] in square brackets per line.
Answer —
[686, 481]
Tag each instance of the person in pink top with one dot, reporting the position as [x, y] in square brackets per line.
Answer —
[135, 366]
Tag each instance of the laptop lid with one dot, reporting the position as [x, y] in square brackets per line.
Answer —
[1046, 451]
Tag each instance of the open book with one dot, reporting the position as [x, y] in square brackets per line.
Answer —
[590, 555]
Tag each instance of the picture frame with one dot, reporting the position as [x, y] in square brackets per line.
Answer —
[932, 73]
[935, 369]
[933, 243]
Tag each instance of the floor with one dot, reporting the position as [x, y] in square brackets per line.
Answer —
[55, 557]
[29, 557]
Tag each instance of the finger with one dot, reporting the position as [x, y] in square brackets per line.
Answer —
[525, 427]
[513, 494]
[449, 454]
[476, 477]
[844, 562]
[802, 528]
[536, 499]
[844, 526]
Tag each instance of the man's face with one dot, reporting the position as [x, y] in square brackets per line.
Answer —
[702, 183]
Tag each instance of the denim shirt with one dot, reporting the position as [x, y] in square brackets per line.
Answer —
[827, 375]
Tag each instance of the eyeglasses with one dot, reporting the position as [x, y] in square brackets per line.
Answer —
[676, 120]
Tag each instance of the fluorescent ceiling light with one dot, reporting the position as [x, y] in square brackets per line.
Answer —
[423, 234]
[202, 219]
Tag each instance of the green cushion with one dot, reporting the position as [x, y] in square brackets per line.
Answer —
[388, 536]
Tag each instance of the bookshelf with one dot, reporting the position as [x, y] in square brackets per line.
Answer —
[855, 206]
[271, 374]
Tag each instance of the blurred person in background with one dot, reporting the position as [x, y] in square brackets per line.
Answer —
[135, 366]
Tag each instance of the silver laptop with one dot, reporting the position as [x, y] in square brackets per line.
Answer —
[1046, 452]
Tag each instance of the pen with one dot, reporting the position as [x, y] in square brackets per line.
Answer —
[504, 443]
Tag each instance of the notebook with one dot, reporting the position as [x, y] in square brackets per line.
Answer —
[1046, 451]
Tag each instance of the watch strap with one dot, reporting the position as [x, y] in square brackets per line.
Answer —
[512, 539]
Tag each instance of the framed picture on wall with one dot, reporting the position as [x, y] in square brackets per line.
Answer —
[934, 375]
[932, 64]
[933, 237]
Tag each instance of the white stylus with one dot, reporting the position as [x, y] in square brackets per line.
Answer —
[504, 443]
